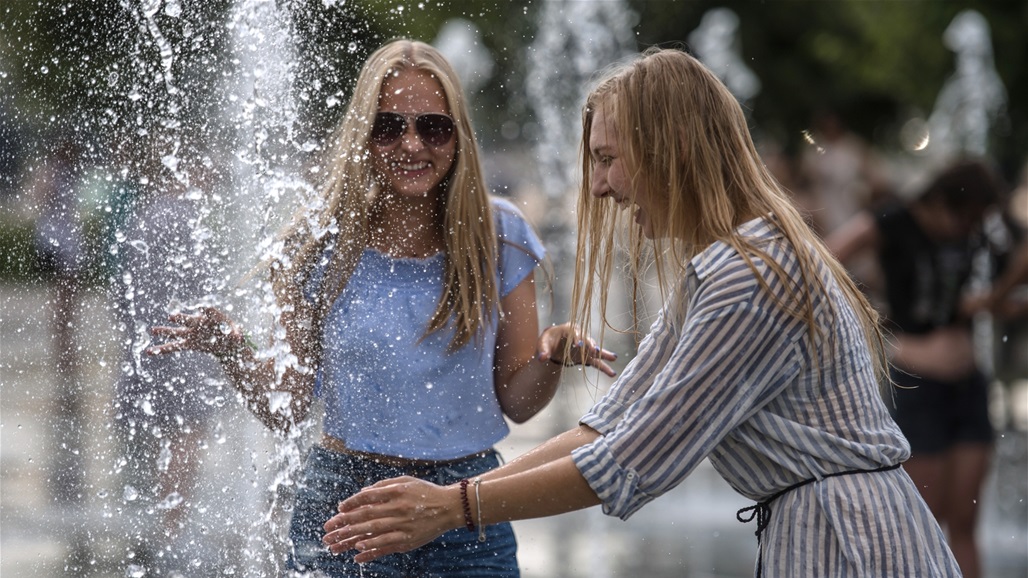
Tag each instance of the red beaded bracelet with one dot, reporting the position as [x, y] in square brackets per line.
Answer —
[468, 523]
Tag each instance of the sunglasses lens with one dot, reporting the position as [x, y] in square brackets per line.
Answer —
[435, 129]
[388, 127]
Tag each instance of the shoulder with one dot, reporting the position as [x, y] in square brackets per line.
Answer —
[723, 261]
[506, 213]
[513, 228]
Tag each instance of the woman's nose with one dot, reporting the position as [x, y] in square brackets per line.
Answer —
[411, 140]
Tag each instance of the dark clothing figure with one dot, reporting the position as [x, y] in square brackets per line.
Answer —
[924, 279]
[928, 253]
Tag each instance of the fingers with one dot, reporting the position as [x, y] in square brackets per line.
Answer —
[389, 517]
[553, 347]
[207, 330]
[371, 530]
[381, 491]
[372, 540]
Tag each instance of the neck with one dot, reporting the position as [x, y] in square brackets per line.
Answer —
[406, 226]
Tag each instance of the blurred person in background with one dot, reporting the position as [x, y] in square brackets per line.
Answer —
[839, 171]
[1006, 300]
[926, 250]
[765, 358]
[1002, 299]
[163, 406]
[61, 257]
[839, 176]
[407, 302]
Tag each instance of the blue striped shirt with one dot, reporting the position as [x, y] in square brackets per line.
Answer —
[727, 374]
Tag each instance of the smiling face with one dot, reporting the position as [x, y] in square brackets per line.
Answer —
[610, 175]
[410, 167]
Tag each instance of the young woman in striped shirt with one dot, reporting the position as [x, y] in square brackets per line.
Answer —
[765, 358]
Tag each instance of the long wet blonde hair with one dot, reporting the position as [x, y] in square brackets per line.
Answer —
[686, 142]
[470, 295]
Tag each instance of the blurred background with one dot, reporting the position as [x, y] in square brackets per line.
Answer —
[107, 105]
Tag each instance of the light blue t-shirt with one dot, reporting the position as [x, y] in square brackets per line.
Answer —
[387, 390]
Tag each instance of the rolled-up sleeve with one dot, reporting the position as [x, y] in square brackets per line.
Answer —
[688, 390]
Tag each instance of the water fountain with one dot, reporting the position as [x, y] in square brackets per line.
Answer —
[249, 146]
[209, 104]
[973, 100]
[574, 42]
[716, 43]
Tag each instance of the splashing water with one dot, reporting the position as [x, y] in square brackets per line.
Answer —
[574, 42]
[973, 100]
[716, 43]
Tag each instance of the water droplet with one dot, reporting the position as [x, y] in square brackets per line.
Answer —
[130, 494]
[173, 500]
[173, 9]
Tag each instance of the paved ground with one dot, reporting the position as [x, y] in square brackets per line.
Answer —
[239, 515]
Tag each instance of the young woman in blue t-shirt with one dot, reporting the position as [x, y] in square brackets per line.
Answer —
[409, 304]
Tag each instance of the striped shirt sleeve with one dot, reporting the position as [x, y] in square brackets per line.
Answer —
[736, 350]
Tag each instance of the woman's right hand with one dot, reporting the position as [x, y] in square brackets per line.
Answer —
[208, 330]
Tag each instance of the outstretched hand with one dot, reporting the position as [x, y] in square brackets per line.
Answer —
[395, 515]
[553, 346]
[208, 330]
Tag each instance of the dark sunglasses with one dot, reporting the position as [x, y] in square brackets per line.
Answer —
[434, 129]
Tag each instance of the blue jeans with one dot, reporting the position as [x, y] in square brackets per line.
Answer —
[330, 477]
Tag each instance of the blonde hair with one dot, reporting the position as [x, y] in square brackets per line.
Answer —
[687, 143]
[470, 295]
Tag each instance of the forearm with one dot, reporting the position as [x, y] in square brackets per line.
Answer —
[552, 450]
[553, 488]
[529, 389]
[1015, 274]
[525, 387]
[256, 381]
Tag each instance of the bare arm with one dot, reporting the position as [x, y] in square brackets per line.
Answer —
[1014, 275]
[528, 366]
[211, 331]
[854, 236]
[401, 514]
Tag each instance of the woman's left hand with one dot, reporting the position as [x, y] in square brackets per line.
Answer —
[395, 515]
[553, 346]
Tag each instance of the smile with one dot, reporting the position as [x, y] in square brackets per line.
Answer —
[413, 166]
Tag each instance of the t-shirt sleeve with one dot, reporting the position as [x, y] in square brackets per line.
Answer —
[520, 249]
